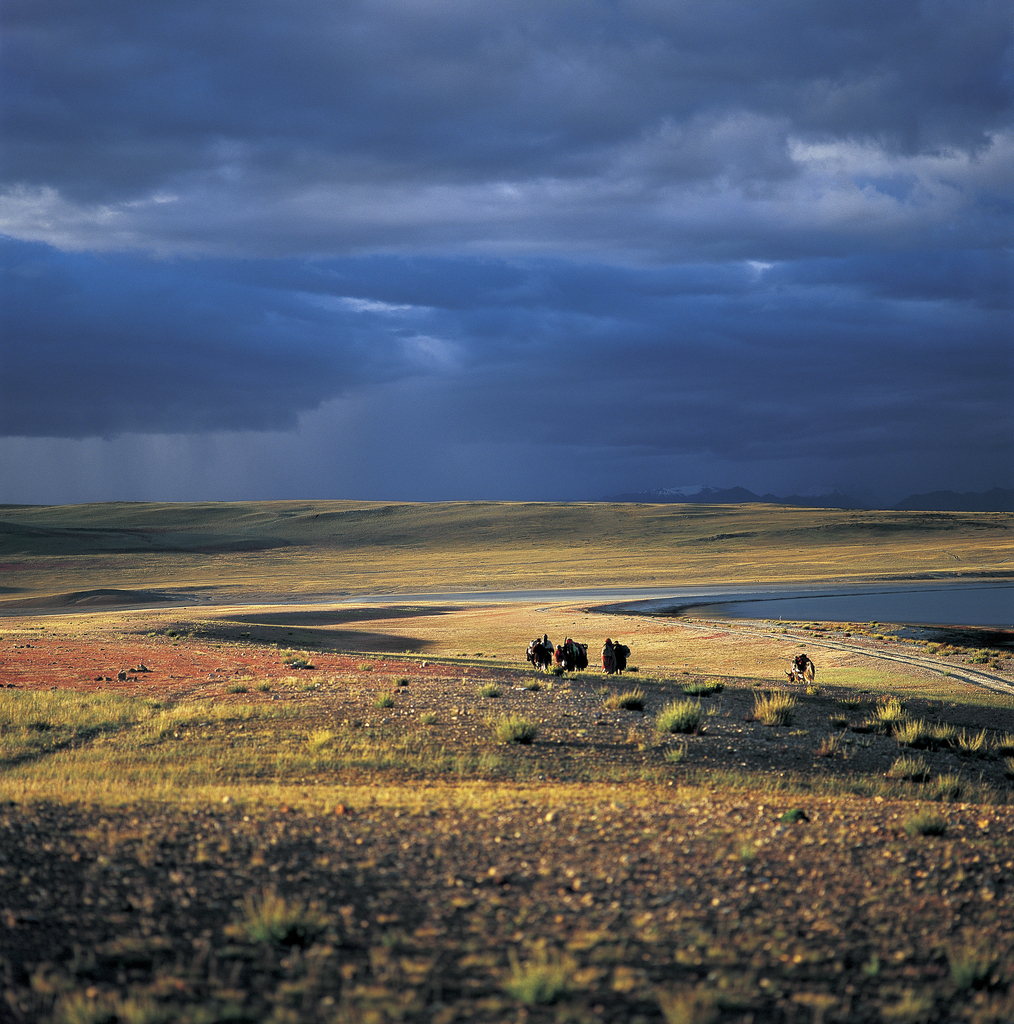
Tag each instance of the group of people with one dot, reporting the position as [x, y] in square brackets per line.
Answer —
[572, 655]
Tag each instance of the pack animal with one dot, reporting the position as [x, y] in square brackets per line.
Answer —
[572, 655]
[802, 671]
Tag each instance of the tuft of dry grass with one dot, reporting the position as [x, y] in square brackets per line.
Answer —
[680, 716]
[774, 708]
[628, 700]
[514, 729]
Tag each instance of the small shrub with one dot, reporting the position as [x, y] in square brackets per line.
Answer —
[679, 716]
[489, 690]
[294, 660]
[774, 708]
[364, 666]
[403, 681]
[700, 688]
[914, 769]
[385, 700]
[428, 718]
[533, 684]
[514, 729]
[812, 691]
[926, 823]
[629, 700]
[676, 754]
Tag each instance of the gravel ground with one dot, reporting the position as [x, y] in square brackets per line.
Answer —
[542, 893]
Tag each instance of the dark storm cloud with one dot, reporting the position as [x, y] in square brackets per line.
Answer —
[729, 360]
[655, 237]
[659, 128]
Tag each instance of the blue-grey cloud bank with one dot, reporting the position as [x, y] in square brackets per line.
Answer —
[418, 250]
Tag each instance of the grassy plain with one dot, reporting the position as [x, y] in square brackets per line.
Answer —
[301, 549]
[317, 813]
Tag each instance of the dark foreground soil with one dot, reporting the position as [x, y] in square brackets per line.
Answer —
[646, 902]
[712, 904]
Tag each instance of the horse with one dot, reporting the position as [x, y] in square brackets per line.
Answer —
[614, 656]
[802, 671]
[540, 654]
[572, 655]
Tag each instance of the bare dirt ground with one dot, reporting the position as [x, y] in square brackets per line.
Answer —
[535, 890]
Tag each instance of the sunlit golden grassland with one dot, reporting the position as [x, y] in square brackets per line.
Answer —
[301, 548]
[103, 748]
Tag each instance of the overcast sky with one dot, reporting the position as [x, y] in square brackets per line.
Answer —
[461, 250]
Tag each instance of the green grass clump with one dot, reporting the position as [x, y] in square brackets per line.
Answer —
[972, 744]
[701, 688]
[428, 718]
[237, 688]
[676, 754]
[629, 700]
[926, 735]
[385, 700]
[926, 823]
[914, 769]
[514, 729]
[1004, 744]
[774, 708]
[889, 714]
[403, 681]
[294, 660]
[533, 684]
[489, 690]
[679, 716]
[272, 920]
[688, 1005]
[320, 739]
[947, 787]
[539, 981]
[971, 966]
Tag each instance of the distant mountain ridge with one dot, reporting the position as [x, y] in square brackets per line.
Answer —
[999, 499]
[735, 496]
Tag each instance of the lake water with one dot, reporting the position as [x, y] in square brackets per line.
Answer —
[988, 604]
[955, 605]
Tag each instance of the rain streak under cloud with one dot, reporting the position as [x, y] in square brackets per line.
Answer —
[438, 251]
